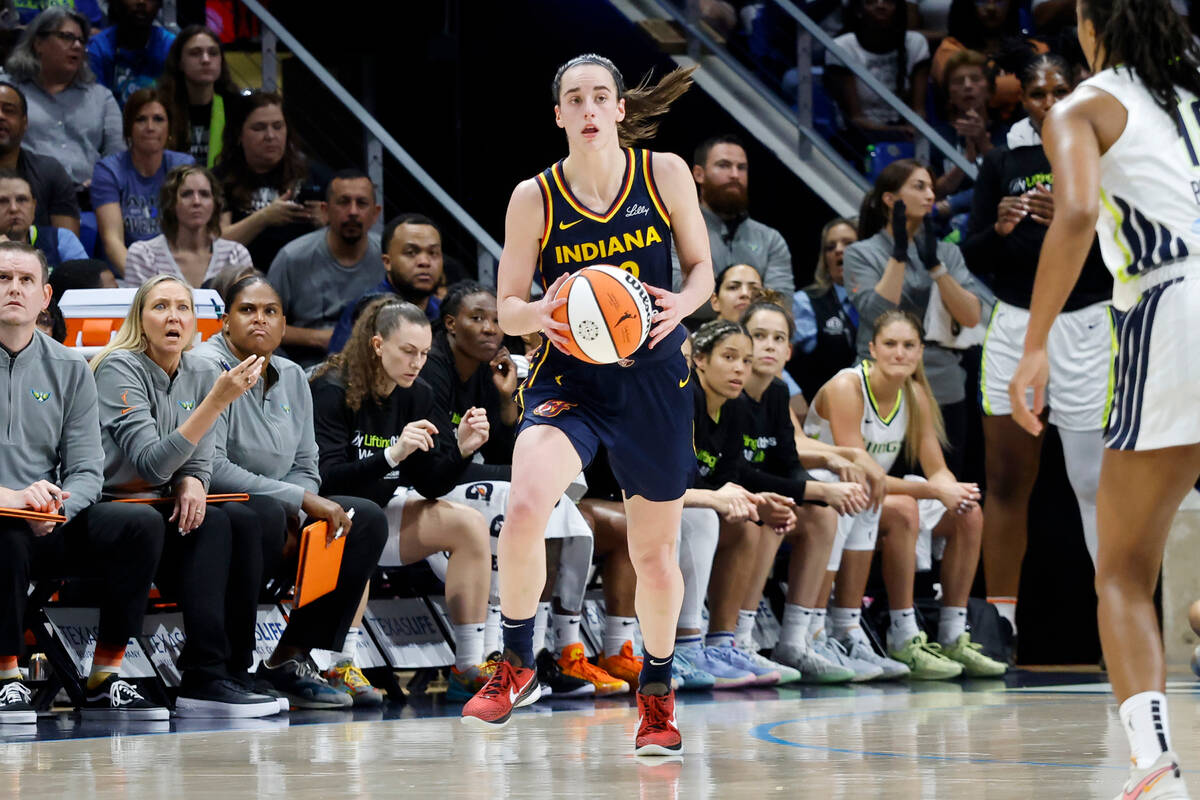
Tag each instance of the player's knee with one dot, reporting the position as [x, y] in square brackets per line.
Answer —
[901, 517]
[1008, 483]
[824, 525]
[657, 568]
[528, 509]
[471, 531]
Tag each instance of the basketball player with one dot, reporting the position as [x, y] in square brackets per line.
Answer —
[626, 204]
[1125, 150]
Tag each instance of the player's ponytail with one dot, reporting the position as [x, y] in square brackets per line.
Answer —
[358, 366]
[1151, 38]
[916, 386]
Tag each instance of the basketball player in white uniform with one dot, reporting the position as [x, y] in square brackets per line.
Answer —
[1125, 150]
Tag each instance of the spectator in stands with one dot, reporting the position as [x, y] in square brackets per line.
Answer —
[879, 41]
[158, 405]
[126, 185]
[930, 17]
[735, 289]
[991, 27]
[264, 444]
[190, 245]
[720, 168]
[89, 274]
[826, 320]
[380, 435]
[52, 463]
[27, 10]
[51, 323]
[17, 212]
[131, 54]
[895, 264]
[322, 273]
[412, 256]
[967, 125]
[1052, 16]
[52, 188]
[72, 118]
[272, 192]
[199, 91]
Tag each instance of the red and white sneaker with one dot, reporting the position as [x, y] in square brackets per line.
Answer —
[657, 733]
[509, 687]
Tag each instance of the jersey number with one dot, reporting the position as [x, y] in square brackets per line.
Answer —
[1189, 129]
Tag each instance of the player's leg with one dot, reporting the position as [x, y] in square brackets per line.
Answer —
[960, 560]
[761, 566]
[1133, 528]
[696, 668]
[845, 615]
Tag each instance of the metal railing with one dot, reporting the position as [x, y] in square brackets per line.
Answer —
[377, 139]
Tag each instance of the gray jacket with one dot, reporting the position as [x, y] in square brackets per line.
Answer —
[51, 429]
[864, 264]
[140, 411]
[264, 443]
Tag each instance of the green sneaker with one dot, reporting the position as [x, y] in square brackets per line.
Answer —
[927, 660]
[970, 654]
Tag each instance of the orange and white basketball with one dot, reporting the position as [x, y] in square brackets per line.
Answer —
[609, 312]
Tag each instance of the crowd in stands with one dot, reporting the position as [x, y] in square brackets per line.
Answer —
[350, 384]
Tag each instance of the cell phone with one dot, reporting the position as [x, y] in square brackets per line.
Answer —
[309, 193]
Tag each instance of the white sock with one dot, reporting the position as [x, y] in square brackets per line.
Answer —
[618, 631]
[743, 636]
[693, 641]
[1007, 606]
[350, 646]
[566, 630]
[952, 623]
[794, 630]
[468, 645]
[903, 627]
[1144, 718]
[816, 626]
[719, 639]
[540, 620]
[845, 621]
[491, 635]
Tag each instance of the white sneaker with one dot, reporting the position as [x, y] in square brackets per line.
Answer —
[862, 651]
[787, 674]
[833, 650]
[814, 667]
[1160, 781]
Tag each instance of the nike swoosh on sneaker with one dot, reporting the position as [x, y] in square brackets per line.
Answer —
[1146, 783]
[513, 694]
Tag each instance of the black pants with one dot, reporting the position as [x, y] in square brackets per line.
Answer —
[955, 451]
[323, 622]
[117, 542]
[214, 573]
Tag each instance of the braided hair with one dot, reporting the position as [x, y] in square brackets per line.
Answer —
[712, 333]
[1150, 38]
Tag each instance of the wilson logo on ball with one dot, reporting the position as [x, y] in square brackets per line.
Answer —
[608, 311]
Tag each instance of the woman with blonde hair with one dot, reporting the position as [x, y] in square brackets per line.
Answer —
[190, 245]
[826, 322]
[158, 404]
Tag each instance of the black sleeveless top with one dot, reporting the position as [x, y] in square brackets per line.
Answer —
[633, 234]
[835, 350]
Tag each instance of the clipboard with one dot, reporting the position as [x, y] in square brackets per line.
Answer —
[29, 513]
[320, 563]
[237, 497]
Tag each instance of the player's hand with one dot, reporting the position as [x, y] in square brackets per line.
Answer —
[323, 508]
[190, 505]
[544, 308]
[417, 435]
[735, 504]
[1032, 373]
[844, 498]
[876, 478]
[472, 431]
[957, 497]
[504, 373]
[846, 469]
[41, 496]
[777, 512]
[1009, 213]
[668, 315]
[1040, 202]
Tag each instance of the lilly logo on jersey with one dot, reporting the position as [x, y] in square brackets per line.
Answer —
[187, 405]
[41, 397]
[636, 209]
[587, 252]
[552, 408]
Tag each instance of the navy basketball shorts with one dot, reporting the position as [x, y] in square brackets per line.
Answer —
[642, 414]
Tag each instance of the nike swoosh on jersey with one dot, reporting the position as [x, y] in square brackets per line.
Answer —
[684, 382]
[562, 226]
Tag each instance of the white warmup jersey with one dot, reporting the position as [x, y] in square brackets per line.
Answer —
[1149, 224]
[882, 436]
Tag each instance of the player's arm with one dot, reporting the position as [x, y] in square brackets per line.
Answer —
[940, 483]
[678, 187]
[843, 407]
[523, 230]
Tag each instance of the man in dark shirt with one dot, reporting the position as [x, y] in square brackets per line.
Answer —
[52, 188]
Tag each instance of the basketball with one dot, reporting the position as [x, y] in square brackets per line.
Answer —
[609, 312]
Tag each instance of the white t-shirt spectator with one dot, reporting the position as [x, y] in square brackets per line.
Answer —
[883, 66]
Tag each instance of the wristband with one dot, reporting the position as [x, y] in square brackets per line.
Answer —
[938, 271]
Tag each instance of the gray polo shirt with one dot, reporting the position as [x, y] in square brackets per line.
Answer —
[76, 127]
[864, 264]
[315, 288]
[264, 442]
[141, 409]
[51, 429]
[748, 242]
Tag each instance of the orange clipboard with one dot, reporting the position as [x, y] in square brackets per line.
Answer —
[317, 572]
[210, 498]
[29, 513]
